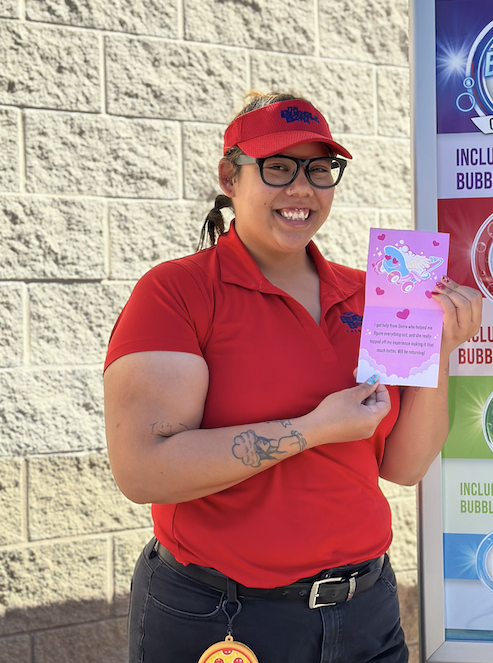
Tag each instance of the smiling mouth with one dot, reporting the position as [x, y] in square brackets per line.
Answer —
[294, 214]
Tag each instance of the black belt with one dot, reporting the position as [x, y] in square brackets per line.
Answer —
[329, 587]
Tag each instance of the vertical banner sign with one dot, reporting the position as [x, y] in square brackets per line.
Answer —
[453, 150]
[464, 93]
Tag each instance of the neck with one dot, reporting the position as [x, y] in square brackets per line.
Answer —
[295, 274]
[283, 267]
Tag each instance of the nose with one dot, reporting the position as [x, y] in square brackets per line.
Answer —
[301, 186]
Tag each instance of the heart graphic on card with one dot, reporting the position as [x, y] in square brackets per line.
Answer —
[379, 291]
[381, 237]
[403, 315]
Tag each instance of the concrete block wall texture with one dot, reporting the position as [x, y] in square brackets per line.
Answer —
[111, 121]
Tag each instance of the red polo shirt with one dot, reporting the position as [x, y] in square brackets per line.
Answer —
[268, 359]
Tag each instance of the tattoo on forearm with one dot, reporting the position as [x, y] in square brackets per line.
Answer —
[252, 449]
[283, 422]
[165, 429]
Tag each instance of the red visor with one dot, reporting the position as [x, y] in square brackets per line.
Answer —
[277, 127]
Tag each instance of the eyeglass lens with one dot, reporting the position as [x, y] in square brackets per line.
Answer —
[279, 171]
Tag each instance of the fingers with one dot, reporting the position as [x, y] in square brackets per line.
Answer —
[460, 295]
[354, 413]
[371, 399]
[369, 387]
[373, 395]
[462, 307]
[467, 301]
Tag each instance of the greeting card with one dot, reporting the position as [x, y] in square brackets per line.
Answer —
[402, 323]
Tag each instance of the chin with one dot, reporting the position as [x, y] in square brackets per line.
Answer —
[292, 244]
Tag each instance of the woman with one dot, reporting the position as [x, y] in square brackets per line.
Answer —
[231, 406]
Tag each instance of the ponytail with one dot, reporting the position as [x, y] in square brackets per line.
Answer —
[214, 222]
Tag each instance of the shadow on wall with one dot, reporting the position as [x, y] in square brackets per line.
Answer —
[105, 638]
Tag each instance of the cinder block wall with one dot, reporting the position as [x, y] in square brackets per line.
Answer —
[111, 116]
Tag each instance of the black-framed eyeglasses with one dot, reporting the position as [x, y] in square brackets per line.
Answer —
[279, 170]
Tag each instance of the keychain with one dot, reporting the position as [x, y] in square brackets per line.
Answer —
[229, 651]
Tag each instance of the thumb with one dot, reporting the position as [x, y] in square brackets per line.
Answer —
[370, 385]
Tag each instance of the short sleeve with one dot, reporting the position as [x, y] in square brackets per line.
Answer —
[167, 311]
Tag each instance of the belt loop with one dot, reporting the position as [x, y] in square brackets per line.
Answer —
[153, 551]
[232, 591]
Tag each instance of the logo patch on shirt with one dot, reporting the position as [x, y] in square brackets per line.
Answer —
[292, 114]
[353, 321]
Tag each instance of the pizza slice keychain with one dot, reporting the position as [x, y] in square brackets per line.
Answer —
[229, 650]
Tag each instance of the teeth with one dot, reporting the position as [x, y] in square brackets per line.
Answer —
[294, 214]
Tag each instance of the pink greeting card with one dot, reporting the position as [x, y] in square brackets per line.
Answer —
[402, 324]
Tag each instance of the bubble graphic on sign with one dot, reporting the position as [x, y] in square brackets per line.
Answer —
[488, 421]
[484, 561]
[466, 101]
[478, 82]
[482, 258]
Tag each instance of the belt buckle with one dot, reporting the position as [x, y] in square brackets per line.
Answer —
[314, 592]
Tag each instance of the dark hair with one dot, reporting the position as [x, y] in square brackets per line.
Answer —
[213, 227]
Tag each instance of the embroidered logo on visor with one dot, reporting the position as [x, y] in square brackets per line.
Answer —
[292, 114]
[352, 320]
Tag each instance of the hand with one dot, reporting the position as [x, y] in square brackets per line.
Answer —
[462, 308]
[353, 414]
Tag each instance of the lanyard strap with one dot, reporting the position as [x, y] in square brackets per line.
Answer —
[231, 606]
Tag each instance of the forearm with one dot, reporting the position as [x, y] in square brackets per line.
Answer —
[165, 466]
[194, 463]
[154, 404]
[419, 433]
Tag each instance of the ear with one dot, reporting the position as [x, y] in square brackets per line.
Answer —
[226, 183]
